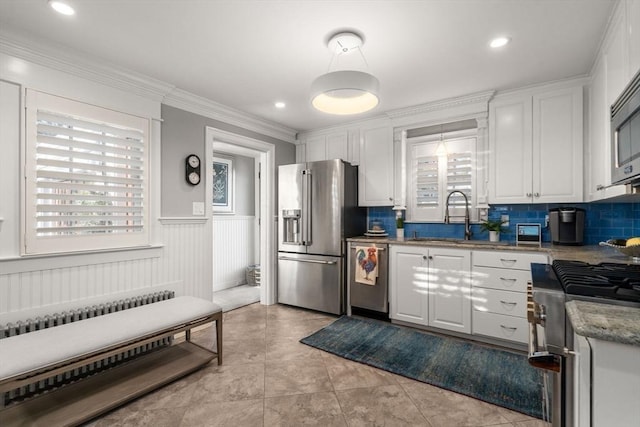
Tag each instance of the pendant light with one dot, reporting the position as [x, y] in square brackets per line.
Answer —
[441, 149]
[345, 92]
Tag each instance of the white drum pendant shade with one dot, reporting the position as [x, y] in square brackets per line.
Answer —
[345, 92]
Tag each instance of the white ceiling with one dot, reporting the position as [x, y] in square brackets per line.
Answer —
[247, 54]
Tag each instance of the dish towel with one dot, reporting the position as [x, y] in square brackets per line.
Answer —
[366, 267]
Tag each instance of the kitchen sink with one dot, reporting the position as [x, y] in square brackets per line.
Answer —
[456, 241]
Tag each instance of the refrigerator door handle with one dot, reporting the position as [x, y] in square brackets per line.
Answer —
[313, 261]
[306, 203]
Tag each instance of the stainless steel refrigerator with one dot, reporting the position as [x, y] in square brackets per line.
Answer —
[317, 210]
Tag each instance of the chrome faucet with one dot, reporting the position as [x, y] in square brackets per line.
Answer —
[447, 217]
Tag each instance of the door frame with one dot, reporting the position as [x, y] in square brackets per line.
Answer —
[264, 152]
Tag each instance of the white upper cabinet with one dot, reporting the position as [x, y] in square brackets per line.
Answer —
[340, 144]
[558, 146]
[510, 174]
[316, 149]
[535, 142]
[370, 147]
[375, 173]
[617, 63]
[633, 25]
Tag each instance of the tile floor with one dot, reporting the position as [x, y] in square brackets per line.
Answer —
[268, 379]
[238, 296]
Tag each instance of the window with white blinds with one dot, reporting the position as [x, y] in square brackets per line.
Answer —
[86, 174]
[427, 192]
[438, 168]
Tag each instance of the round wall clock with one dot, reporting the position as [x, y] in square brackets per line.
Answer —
[192, 169]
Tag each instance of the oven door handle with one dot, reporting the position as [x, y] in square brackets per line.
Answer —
[541, 359]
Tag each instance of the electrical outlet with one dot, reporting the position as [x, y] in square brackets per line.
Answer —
[505, 219]
[198, 208]
[546, 221]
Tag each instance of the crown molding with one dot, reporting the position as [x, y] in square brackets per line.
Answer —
[199, 105]
[580, 80]
[58, 59]
[480, 97]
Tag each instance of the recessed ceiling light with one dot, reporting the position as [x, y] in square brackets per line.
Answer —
[61, 7]
[280, 104]
[499, 42]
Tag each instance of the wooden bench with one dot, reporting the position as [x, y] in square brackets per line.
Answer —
[34, 356]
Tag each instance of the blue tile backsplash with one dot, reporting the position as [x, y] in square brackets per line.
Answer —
[603, 221]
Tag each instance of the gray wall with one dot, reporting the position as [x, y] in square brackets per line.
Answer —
[245, 185]
[183, 133]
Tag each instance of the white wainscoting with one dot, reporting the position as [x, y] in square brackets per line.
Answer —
[233, 249]
[181, 264]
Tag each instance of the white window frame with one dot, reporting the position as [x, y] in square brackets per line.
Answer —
[454, 142]
[34, 242]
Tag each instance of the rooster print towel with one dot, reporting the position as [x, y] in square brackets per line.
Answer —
[366, 265]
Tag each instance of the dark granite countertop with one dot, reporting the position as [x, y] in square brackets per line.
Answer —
[605, 321]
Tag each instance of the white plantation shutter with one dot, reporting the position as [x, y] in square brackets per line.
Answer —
[459, 177]
[427, 192]
[87, 170]
[434, 176]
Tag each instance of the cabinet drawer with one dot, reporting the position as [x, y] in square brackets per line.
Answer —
[501, 278]
[500, 302]
[500, 326]
[515, 260]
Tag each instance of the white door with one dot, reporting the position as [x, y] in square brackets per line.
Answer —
[510, 150]
[408, 284]
[557, 146]
[375, 173]
[450, 289]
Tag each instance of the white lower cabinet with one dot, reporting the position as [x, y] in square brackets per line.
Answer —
[606, 383]
[431, 287]
[499, 285]
[615, 383]
[504, 327]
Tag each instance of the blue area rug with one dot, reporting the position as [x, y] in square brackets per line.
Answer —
[499, 377]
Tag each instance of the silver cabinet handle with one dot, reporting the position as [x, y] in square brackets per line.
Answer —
[528, 194]
[507, 279]
[536, 194]
[508, 328]
[508, 260]
[313, 261]
[511, 303]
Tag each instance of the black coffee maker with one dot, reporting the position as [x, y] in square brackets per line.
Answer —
[567, 226]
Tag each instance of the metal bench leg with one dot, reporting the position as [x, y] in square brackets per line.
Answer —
[219, 338]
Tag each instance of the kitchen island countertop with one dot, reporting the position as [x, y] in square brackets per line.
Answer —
[606, 322]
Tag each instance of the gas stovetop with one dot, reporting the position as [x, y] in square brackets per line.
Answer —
[606, 280]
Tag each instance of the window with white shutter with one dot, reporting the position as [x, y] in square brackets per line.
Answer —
[86, 177]
[438, 167]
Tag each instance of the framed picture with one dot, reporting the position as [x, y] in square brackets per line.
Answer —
[222, 185]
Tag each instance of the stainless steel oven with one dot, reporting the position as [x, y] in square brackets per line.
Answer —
[551, 345]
